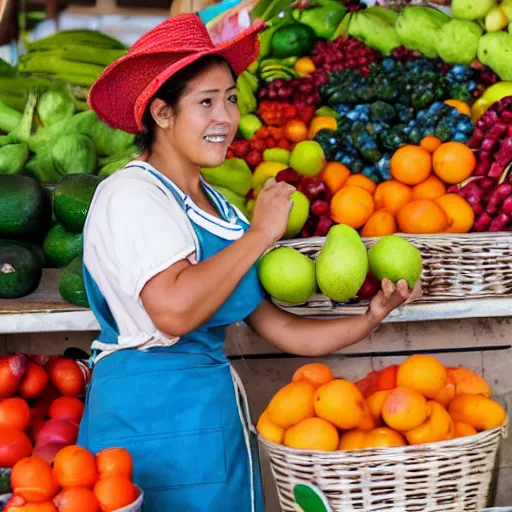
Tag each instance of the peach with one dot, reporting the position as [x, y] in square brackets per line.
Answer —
[404, 409]
[447, 393]
[463, 429]
[468, 382]
[478, 411]
[340, 402]
[352, 440]
[376, 404]
[437, 427]
[291, 404]
[312, 434]
[367, 422]
[422, 373]
[269, 430]
[383, 437]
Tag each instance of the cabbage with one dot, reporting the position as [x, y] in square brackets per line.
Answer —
[74, 154]
[55, 105]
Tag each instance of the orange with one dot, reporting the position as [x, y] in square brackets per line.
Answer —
[14, 413]
[34, 381]
[461, 106]
[383, 437]
[75, 467]
[67, 377]
[438, 426]
[304, 66]
[46, 506]
[14, 446]
[316, 374]
[431, 188]
[268, 430]
[358, 180]
[114, 461]
[334, 175]
[453, 162]
[463, 429]
[76, 499]
[296, 130]
[321, 123]
[430, 143]
[404, 409]
[312, 434]
[478, 411]
[381, 223]
[291, 404]
[115, 492]
[422, 373]
[67, 408]
[461, 216]
[468, 382]
[391, 195]
[376, 404]
[422, 217]
[352, 206]
[340, 403]
[352, 440]
[34, 480]
[411, 164]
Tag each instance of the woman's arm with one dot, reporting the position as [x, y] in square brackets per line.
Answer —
[185, 296]
[310, 337]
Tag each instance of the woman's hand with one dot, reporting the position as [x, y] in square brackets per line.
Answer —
[271, 210]
[390, 297]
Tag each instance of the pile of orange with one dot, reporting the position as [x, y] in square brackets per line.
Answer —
[414, 201]
[77, 482]
[419, 401]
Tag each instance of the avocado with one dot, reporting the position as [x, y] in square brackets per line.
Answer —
[24, 208]
[72, 198]
[71, 283]
[21, 268]
[61, 246]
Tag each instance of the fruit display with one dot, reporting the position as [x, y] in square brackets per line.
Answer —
[417, 402]
[41, 405]
[77, 481]
[343, 269]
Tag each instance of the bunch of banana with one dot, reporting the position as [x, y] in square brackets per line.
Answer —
[247, 85]
[274, 69]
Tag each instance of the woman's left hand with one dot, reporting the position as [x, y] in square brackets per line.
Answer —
[390, 297]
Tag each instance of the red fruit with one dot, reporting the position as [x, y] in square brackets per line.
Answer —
[284, 144]
[306, 113]
[369, 288]
[45, 400]
[36, 423]
[319, 208]
[323, 226]
[258, 145]
[254, 158]
[12, 369]
[271, 143]
[507, 205]
[230, 154]
[33, 382]
[289, 176]
[15, 413]
[67, 408]
[499, 223]
[67, 377]
[48, 451]
[483, 222]
[240, 148]
[39, 359]
[57, 431]
[14, 446]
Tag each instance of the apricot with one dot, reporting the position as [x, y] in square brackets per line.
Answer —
[468, 382]
[447, 393]
[352, 440]
[404, 409]
[463, 429]
[269, 430]
[383, 437]
[422, 373]
[340, 402]
[478, 411]
[367, 422]
[437, 427]
[291, 404]
[376, 404]
[312, 434]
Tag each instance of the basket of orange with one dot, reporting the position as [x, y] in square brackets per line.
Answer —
[414, 436]
[79, 481]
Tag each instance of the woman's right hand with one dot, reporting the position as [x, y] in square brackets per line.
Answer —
[271, 210]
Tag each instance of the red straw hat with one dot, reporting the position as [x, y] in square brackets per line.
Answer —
[121, 94]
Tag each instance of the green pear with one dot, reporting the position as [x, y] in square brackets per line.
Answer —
[307, 158]
[342, 264]
[299, 214]
[471, 9]
[494, 50]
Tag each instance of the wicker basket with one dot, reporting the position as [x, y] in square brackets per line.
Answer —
[452, 475]
[456, 267]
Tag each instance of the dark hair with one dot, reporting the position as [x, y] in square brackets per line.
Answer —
[171, 92]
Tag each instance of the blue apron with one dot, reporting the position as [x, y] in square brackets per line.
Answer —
[178, 409]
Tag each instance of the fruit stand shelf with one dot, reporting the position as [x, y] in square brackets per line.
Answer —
[45, 311]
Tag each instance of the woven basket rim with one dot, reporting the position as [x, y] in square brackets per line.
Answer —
[402, 450]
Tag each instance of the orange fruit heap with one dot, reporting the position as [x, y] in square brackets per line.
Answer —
[78, 482]
[416, 402]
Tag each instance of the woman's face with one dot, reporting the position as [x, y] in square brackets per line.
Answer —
[207, 117]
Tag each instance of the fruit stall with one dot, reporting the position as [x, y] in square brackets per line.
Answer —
[393, 120]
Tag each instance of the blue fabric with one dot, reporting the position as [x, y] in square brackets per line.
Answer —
[175, 408]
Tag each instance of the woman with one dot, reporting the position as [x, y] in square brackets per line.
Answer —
[169, 263]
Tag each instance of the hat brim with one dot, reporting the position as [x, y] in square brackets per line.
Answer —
[122, 92]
